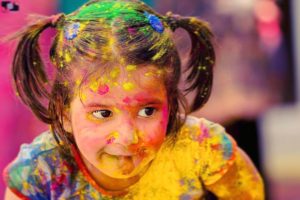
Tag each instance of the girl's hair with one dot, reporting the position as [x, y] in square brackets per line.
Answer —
[98, 32]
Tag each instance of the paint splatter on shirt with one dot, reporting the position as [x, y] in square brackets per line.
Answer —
[201, 149]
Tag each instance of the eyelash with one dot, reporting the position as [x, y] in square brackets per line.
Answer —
[108, 113]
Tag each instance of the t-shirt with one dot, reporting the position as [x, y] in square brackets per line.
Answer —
[201, 154]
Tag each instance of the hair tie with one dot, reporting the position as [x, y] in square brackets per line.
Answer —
[155, 22]
[54, 19]
[172, 20]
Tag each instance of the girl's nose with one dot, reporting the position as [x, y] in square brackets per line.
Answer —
[128, 133]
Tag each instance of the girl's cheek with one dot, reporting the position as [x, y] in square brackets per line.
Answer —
[153, 135]
[90, 142]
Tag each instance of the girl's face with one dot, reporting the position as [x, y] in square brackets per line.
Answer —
[119, 120]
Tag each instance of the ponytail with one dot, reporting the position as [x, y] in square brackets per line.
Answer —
[202, 57]
[28, 68]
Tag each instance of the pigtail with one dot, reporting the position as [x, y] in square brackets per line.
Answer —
[28, 68]
[202, 57]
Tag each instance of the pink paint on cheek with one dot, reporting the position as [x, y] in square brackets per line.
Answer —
[90, 145]
[103, 89]
[165, 116]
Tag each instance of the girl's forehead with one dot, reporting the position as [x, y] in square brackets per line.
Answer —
[124, 81]
[124, 74]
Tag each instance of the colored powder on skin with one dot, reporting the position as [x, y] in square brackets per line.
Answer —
[94, 86]
[130, 67]
[135, 138]
[112, 136]
[104, 79]
[153, 73]
[115, 72]
[115, 84]
[165, 118]
[83, 97]
[116, 110]
[147, 74]
[126, 100]
[103, 89]
[127, 86]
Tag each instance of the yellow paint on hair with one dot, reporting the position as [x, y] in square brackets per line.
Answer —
[67, 57]
[66, 83]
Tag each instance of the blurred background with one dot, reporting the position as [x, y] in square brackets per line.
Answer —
[256, 92]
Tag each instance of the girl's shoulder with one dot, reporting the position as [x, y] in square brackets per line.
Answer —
[210, 146]
[32, 172]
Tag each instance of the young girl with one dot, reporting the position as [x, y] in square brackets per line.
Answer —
[113, 108]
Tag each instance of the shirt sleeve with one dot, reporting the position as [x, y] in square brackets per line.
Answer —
[28, 176]
[217, 151]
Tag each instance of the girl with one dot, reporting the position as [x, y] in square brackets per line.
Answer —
[113, 109]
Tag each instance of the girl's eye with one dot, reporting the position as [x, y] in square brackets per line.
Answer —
[100, 114]
[146, 112]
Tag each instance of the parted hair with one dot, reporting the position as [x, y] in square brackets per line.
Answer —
[110, 28]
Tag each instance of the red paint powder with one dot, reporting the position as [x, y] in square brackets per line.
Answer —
[127, 100]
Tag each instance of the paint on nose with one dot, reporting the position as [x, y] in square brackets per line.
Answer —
[112, 137]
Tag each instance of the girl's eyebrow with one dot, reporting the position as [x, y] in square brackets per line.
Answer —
[139, 102]
[92, 105]
[149, 101]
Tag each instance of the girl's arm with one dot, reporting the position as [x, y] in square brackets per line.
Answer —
[241, 181]
[9, 195]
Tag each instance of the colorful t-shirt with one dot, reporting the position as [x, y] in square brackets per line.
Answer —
[202, 151]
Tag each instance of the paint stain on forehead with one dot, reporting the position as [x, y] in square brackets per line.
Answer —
[128, 86]
[130, 68]
[103, 89]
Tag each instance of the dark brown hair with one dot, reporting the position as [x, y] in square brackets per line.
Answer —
[135, 40]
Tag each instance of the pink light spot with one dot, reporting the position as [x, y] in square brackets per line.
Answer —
[103, 89]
